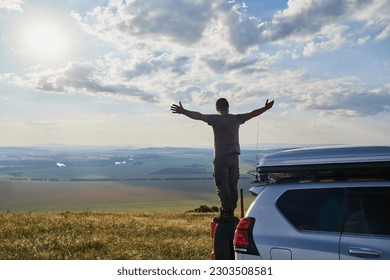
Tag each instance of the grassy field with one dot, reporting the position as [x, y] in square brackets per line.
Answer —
[108, 236]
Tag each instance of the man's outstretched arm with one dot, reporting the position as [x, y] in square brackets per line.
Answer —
[179, 109]
[257, 112]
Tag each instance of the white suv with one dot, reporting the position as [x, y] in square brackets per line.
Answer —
[319, 203]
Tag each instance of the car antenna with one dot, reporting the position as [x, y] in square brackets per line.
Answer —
[257, 142]
[257, 156]
[242, 203]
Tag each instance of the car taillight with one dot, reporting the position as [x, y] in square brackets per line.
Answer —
[243, 237]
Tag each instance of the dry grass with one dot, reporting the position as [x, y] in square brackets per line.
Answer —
[92, 236]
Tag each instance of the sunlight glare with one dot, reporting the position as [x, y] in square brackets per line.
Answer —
[45, 40]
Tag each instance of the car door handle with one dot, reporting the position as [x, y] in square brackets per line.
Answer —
[364, 253]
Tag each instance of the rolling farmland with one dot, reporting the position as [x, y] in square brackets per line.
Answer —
[109, 179]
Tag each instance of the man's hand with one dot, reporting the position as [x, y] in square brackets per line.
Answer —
[257, 112]
[268, 105]
[177, 109]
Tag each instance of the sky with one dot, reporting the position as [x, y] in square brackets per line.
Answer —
[106, 72]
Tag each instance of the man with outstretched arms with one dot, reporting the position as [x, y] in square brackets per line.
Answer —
[226, 150]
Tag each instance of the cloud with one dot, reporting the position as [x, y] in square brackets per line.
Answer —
[79, 78]
[347, 103]
[222, 63]
[169, 20]
[173, 23]
[384, 34]
[182, 21]
[244, 32]
[155, 63]
[59, 164]
[15, 5]
[331, 39]
[363, 40]
[327, 25]
[182, 25]
[302, 18]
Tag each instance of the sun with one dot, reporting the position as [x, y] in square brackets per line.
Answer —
[45, 40]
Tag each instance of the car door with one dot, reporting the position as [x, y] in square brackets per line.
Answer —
[366, 229]
[316, 214]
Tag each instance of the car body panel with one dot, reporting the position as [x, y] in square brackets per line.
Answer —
[356, 246]
[304, 245]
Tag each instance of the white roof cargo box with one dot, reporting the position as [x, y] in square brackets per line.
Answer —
[313, 160]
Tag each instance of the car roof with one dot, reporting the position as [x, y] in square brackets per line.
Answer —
[328, 162]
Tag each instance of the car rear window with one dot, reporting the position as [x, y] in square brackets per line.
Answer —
[313, 209]
[368, 211]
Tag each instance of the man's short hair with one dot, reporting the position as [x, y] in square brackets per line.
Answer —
[222, 104]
